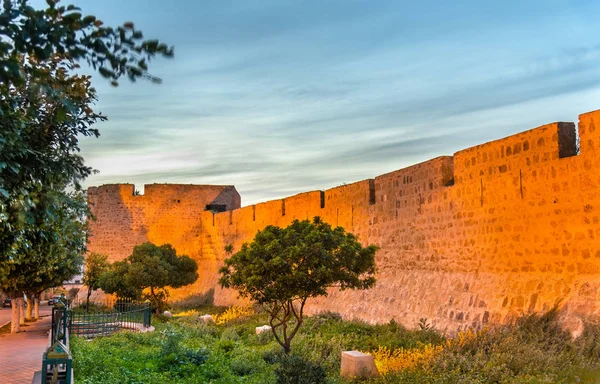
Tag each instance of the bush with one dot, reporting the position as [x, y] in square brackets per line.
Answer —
[294, 369]
[328, 315]
[195, 301]
[534, 349]
[246, 362]
[92, 307]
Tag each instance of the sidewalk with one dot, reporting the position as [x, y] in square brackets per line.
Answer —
[21, 353]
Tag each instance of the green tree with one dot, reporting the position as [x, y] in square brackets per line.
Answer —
[45, 108]
[54, 253]
[116, 281]
[95, 265]
[153, 268]
[282, 268]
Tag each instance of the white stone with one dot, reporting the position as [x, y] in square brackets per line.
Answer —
[207, 318]
[264, 328]
[167, 314]
[358, 364]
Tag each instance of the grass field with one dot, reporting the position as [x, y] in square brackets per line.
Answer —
[184, 349]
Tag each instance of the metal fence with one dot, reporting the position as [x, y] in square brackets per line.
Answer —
[89, 321]
[106, 318]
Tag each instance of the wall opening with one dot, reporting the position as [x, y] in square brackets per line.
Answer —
[254, 213]
[230, 217]
[322, 199]
[215, 208]
[282, 207]
[139, 191]
[568, 140]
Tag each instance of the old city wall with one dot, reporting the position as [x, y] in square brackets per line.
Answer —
[494, 231]
[165, 213]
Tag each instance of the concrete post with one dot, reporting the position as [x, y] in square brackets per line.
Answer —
[358, 364]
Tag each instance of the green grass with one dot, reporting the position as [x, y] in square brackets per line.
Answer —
[185, 350]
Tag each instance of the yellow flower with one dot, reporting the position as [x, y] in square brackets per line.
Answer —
[399, 359]
[233, 313]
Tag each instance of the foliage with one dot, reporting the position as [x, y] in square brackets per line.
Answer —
[44, 109]
[528, 351]
[297, 370]
[282, 268]
[54, 250]
[115, 280]
[149, 267]
[173, 353]
[64, 31]
[95, 265]
[195, 301]
[399, 359]
[233, 313]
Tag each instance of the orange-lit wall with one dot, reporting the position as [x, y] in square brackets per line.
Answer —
[166, 213]
[496, 230]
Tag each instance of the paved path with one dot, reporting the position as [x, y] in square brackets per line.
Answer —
[21, 353]
[5, 314]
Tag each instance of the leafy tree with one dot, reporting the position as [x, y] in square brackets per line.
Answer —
[116, 281]
[44, 108]
[55, 250]
[282, 268]
[95, 265]
[150, 267]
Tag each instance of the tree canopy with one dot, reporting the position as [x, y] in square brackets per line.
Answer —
[149, 267]
[95, 265]
[45, 107]
[283, 267]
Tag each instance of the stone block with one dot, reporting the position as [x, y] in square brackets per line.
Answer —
[358, 364]
[167, 314]
[207, 319]
[263, 329]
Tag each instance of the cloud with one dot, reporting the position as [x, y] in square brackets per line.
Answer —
[278, 98]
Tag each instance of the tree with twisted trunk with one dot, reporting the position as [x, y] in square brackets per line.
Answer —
[282, 268]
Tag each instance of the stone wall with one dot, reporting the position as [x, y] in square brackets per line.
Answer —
[494, 231]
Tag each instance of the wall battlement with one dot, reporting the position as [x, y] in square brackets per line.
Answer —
[493, 231]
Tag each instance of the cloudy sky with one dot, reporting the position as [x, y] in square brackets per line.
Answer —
[279, 97]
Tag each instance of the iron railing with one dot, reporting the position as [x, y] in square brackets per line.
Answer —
[89, 321]
[103, 319]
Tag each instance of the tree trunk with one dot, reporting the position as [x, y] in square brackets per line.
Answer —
[155, 301]
[36, 306]
[87, 302]
[29, 306]
[21, 302]
[15, 324]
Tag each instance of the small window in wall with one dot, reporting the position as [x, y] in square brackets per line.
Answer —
[216, 207]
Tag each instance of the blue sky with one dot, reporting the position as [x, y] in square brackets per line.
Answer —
[281, 97]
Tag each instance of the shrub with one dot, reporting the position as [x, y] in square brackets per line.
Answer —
[387, 360]
[246, 362]
[294, 369]
[232, 314]
[195, 301]
[328, 315]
